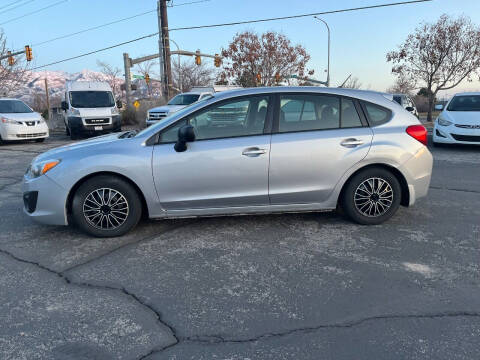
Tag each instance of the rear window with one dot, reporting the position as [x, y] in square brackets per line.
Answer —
[465, 103]
[377, 115]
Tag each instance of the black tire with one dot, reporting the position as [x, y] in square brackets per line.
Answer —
[74, 135]
[99, 228]
[40, 140]
[67, 130]
[356, 201]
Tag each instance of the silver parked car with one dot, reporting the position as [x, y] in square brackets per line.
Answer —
[262, 150]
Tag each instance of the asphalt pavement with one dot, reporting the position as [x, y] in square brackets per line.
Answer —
[293, 286]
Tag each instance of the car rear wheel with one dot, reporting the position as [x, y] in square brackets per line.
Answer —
[106, 206]
[372, 196]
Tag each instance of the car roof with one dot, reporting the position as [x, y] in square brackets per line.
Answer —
[367, 95]
[467, 93]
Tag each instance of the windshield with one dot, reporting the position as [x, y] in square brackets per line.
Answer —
[184, 99]
[465, 103]
[91, 99]
[14, 107]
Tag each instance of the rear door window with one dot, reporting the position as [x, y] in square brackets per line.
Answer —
[350, 116]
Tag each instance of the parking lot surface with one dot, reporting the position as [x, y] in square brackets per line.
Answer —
[293, 286]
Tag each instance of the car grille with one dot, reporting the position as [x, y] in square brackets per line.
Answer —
[29, 136]
[468, 126]
[97, 121]
[468, 138]
[157, 115]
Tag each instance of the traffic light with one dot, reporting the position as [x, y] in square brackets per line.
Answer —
[28, 53]
[198, 60]
[147, 78]
[217, 61]
[259, 78]
[11, 59]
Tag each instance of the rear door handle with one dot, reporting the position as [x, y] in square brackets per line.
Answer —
[351, 142]
[253, 152]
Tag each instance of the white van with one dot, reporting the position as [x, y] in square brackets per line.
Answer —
[19, 122]
[89, 108]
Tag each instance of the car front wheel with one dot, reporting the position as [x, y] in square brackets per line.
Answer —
[372, 196]
[106, 206]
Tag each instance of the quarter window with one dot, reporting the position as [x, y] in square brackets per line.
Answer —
[308, 112]
[376, 114]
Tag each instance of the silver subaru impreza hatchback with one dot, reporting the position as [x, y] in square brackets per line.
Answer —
[248, 151]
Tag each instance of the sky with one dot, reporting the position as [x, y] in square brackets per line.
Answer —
[359, 40]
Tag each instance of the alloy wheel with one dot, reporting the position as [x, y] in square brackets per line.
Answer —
[373, 197]
[105, 209]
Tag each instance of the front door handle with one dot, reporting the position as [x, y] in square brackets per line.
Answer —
[253, 152]
[351, 142]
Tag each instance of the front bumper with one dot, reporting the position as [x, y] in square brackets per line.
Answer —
[78, 126]
[24, 132]
[455, 135]
[45, 200]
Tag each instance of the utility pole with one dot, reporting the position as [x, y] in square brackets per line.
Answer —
[128, 80]
[164, 48]
[48, 98]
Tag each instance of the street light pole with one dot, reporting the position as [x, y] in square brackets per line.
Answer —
[179, 70]
[328, 66]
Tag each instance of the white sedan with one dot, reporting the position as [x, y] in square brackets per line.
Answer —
[459, 122]
[19, 122]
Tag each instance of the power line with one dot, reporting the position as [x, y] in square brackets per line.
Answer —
[15, 7]
[233, 23]
[12, 3]
[33, 12]
[300, 16]
[110, 23]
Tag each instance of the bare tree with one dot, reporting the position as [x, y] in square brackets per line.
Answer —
[10, 76]
[148, 67]
[402, 85]
[189, 75]
[352, 83]
[112, 74]
[253, 60]
[439, 55]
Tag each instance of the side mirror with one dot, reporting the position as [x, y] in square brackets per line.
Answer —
[64, 105]
[439, 107]
[186, 134]
[410, 108]
[119, 104]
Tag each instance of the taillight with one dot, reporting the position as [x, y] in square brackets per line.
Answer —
[418, 132]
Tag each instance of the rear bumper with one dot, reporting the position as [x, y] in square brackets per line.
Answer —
[418, 173]
[78, 126]
[44, 200]
[454, 135]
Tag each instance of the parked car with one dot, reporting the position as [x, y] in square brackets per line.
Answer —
[459, 121]
[176, 103]
[407, 103]
[296, 149]
[90, 109]
[19, 122]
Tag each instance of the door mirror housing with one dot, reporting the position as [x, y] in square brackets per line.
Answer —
[64, 105]
[410, 108]
[439, 107]
[186, 134]
[119, 104]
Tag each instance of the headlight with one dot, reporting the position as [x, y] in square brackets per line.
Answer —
[10, 121]
[75, 111]
[115, 111]
[42, 167]
[443, 122]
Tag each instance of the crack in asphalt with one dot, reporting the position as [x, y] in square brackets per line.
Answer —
[124, 291]
[4, 186]
[452, 189]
